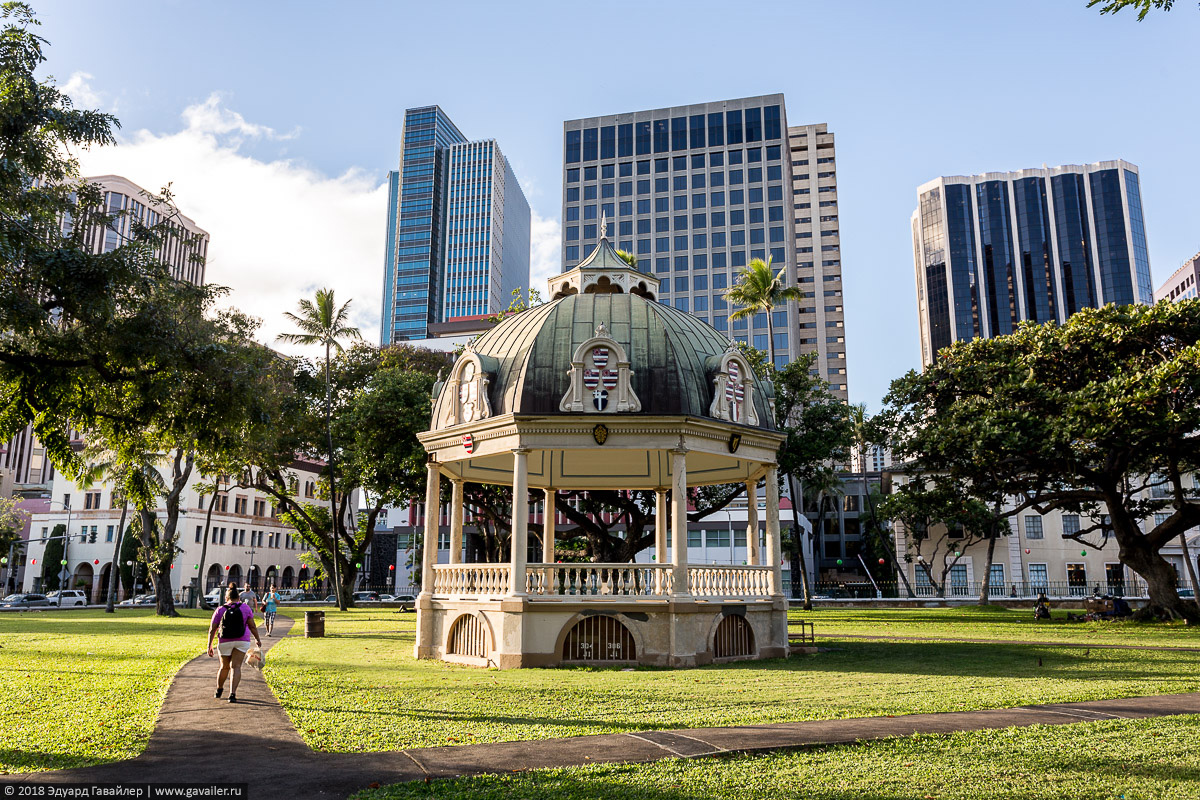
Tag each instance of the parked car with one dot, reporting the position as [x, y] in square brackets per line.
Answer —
[387, 598]
[331, 599]
[70, 597]
[405, 598]
[293, 595]
[366, 597]
[24, 601]
[140, 600]
[215, 596]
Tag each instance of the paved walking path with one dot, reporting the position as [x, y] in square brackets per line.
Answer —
[202, 740]
[1091, 645]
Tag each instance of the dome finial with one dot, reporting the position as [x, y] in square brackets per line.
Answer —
[603, 225]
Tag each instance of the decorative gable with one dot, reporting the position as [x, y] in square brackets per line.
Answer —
[733, 389]
[467, 390]
[600, 378]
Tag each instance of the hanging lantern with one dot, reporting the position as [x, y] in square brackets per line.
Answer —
[227, 568]
[839, 562]
[63, 562]
[35, 562]
[882, 561]
[1026, 551]
[96, 561]
[196, 567]
[957, 553]
[358, 565]
[3, 560]
[172, 566]
[1083, 552]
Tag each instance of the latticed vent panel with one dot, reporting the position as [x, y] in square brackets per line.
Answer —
[469, 637]
[734, 638]
[599, 638]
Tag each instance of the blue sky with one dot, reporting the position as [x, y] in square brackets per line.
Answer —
[315, 93]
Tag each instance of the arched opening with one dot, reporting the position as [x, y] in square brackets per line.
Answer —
[303, 578]
[83, 579]
[642, 290]
[235, 574]
[255, 578]
[734, 638]
[603, 286]
[469, 636]
[599, 638]
[271, 578]
[105, 577]
[564, 290]
[213, 579]
[288, 577]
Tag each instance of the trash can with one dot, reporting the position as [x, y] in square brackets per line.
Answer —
[314, 624]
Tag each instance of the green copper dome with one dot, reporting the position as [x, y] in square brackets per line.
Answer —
[673, 357]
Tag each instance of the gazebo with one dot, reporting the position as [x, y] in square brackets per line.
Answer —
[602, 388]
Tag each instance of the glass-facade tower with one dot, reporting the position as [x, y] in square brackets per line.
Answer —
[457, 232]
[696, 192]
[991, 251]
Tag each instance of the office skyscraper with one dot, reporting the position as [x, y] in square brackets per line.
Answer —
[697, 191]
[993, 250]
[458, 230]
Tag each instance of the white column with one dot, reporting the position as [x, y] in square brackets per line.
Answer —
[456, 521]
[519, 545]
[433, 495]
[679, 565]
[752, 555]
[773, 547]
[660, 525]
[548, 520]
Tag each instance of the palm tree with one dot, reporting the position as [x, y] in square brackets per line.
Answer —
[104, 466]
[324, 323]
[759, 290]
[628, 258]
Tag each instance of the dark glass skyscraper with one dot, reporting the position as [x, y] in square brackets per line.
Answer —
[458, 229]
[991, 251]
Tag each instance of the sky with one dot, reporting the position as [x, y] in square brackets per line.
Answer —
[277, 122]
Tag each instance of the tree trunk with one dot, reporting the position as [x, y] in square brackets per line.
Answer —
[985, 592]
[333, 513]
[212, 502]
[1159, 576]
[799, 565]
[1191, 568]
[770, 339]
[114, 572]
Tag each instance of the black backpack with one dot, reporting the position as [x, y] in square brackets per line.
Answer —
[233, 625]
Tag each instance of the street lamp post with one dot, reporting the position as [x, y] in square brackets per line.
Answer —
[250, 573]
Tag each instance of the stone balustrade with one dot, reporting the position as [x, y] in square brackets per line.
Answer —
[729, 581]
[470, 580]
[598, 580]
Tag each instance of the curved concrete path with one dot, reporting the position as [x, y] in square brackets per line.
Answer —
[202, 740]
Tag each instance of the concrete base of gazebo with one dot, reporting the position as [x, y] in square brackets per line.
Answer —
[513, 632]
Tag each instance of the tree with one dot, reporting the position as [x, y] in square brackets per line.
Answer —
[324, 323]
[818, 430]
[628, 258]
[759, 289]
[52, 558]
[865, 435]
[1096, 417]
[1143, 6]
[84, 334]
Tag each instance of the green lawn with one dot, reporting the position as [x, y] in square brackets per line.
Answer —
[84, 687]
[993, 623]
[1129, 760]
[361, 689]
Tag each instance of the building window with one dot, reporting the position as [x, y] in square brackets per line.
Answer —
[1033, 527]
[694, 538]
[1038, 579]
[717, 537]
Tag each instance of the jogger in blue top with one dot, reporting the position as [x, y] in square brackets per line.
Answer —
[270, 604]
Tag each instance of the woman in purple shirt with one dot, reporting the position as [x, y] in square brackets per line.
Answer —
[235, 621]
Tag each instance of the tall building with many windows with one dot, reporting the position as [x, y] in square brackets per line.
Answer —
[991, 251]
[697, 191]
[458, 230]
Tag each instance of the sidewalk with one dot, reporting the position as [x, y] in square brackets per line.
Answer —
[202, 740]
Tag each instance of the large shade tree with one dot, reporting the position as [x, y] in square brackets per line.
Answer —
[1098, 417]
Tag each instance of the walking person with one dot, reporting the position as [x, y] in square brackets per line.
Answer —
[235, 620]
[271, 601]
[249, 597]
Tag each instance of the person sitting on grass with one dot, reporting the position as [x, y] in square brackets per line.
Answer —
[235, 620]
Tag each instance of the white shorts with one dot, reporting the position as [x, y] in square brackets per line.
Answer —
[227, 648]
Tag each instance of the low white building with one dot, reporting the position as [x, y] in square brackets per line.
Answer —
[246, 542]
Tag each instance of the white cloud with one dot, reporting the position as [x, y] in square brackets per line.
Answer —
[279, 230]
[79, 89]
[545, 256]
